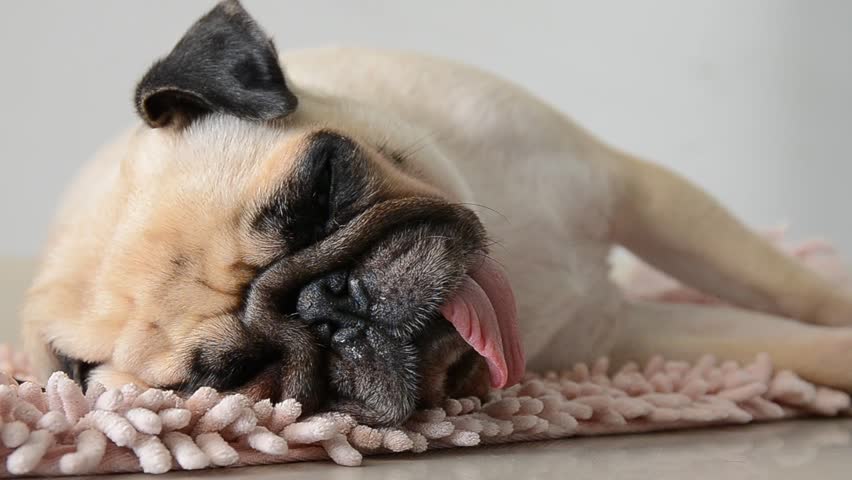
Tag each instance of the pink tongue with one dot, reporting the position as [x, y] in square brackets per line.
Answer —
[484, 313]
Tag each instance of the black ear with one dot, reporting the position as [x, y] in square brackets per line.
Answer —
[224, 63]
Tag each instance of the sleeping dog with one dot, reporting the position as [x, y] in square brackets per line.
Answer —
[373, 232]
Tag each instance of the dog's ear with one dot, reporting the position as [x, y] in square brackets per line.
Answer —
[224, 63]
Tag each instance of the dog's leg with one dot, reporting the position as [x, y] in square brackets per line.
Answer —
[686, 332]
[681, 230]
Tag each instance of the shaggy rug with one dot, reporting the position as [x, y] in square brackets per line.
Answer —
[57, 429]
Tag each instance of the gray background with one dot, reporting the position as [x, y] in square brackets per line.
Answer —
[752, 99]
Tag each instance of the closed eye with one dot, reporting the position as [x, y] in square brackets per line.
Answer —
[322, 193]
[76, 369]
[329, 186]
[227, 368]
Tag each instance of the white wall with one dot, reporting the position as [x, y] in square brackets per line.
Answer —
[753, 99]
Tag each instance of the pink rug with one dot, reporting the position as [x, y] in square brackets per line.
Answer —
[62, 431]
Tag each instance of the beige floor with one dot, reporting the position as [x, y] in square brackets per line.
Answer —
[816, 449]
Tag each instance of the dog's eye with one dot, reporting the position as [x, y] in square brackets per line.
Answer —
[77, 370]
[322, 188]
[326, 191]
[321, 195]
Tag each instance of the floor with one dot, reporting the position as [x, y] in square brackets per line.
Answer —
[820, 449]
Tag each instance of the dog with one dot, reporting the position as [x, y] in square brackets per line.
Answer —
[375, 231]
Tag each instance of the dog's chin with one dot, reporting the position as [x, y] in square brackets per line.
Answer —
[380, 379]
[420, 375]
[371, 376]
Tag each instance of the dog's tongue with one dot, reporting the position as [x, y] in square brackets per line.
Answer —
[484, 313]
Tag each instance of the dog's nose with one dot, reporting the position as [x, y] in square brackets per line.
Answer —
[338, 299]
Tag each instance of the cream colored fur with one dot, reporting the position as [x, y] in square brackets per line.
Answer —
[555, 199]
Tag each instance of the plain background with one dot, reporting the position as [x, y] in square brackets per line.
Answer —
[751, 99]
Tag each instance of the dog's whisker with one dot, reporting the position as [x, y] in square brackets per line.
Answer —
[471, 204]
[486, 256]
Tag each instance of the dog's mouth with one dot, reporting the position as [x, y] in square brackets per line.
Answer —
[380, 375]
[483, 312]
[417, 313]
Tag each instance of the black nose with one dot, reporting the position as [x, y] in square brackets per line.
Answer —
[334, 301]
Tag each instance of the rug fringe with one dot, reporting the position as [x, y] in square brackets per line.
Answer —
[63, 431]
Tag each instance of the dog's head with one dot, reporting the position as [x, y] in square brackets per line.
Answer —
[254, 239]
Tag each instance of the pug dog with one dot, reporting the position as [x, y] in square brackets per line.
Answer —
[375, 231]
